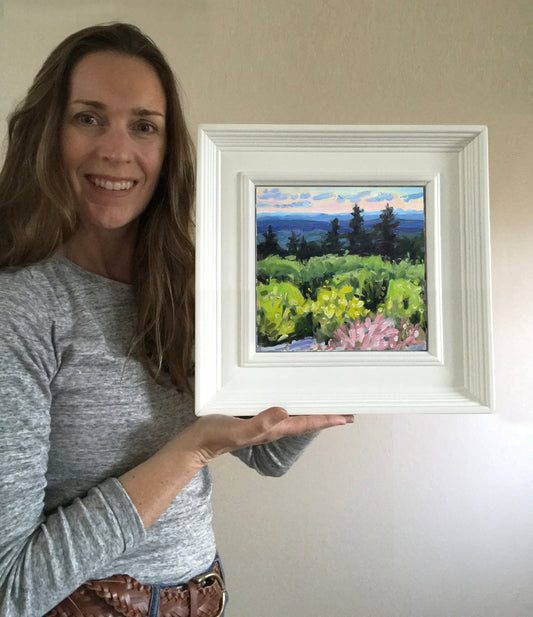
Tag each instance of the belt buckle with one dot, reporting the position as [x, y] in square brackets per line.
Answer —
[205, 577]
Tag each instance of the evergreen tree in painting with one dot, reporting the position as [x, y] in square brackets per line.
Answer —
[332, 244]
[386, 234]
[293, 244]
[359, 242]
[412, 248]
[269, 246]
[304, 250]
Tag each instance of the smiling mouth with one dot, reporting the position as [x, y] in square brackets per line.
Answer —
[109, 185]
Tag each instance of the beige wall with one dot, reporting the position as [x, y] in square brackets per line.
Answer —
[394, 516]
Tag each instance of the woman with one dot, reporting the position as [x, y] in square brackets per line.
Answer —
[103, 477]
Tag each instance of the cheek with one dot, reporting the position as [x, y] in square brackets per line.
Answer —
[154, 163]
[71, 153]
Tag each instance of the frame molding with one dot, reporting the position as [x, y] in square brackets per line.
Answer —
[454, 375]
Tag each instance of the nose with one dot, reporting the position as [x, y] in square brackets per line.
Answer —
[115, 145]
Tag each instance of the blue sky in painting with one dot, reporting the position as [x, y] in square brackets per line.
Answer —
[337, 199]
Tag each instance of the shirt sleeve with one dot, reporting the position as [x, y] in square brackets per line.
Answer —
[277, 457]
[44, 556]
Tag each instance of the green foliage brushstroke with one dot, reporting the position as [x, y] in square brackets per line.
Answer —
[314, 298]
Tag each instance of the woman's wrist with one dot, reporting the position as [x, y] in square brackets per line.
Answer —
[153, 484]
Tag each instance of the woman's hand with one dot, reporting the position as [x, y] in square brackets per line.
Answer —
[152, 485]
[211, 436]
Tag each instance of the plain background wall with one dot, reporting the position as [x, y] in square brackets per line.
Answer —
[424, 516]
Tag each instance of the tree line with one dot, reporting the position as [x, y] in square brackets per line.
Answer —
[381, 239]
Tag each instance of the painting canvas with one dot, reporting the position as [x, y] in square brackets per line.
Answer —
[340, 268]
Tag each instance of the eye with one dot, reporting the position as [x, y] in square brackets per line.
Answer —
[146, 128]
[86, 119]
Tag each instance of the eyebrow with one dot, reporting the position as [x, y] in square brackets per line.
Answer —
[138, 111]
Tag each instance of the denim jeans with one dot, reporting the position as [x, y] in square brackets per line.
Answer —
[153, 610]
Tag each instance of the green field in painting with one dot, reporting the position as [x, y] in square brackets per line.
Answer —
[340, 303]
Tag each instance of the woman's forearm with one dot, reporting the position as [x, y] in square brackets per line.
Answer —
[153, 485]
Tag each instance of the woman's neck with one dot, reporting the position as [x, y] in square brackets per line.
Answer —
[109, 255]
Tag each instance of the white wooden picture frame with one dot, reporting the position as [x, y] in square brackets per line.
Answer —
[454, 374]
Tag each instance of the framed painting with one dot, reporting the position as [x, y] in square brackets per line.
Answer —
[343, 269]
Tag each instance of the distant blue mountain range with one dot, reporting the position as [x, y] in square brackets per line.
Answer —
[313, 226]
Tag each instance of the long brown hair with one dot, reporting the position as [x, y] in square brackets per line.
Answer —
[36, 202]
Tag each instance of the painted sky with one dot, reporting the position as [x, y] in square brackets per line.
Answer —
[337, 199]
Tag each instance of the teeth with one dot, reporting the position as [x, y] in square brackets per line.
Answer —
[124, 185]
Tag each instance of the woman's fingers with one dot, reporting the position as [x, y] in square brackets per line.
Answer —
[299, 425]
[218, 434]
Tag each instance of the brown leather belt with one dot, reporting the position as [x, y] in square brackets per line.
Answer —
[123, 596]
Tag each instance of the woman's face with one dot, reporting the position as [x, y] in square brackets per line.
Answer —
[113, 139]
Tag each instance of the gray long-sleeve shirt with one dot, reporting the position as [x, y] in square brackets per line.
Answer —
[76, 412]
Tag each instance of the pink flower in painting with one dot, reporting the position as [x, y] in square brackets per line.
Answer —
[378, 335]
[329, 346]
[410, 335]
